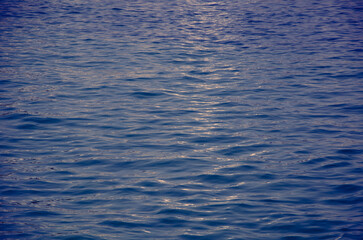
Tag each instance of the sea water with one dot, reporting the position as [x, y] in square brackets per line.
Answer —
[182, 119]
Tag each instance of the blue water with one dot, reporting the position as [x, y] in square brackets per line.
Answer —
[185, 119]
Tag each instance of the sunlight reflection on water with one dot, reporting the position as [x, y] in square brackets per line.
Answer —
[181, 119]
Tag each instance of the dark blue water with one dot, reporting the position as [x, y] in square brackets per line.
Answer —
[185, 119]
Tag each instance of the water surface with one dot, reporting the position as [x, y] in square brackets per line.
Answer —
[183, 119]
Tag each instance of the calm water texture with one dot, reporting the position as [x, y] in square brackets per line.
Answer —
[185, 119]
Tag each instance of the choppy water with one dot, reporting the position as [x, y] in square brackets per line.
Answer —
[183, 119]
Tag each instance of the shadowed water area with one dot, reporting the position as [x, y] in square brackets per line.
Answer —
[185, 119]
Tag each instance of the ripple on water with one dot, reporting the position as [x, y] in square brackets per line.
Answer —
[182, 119]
